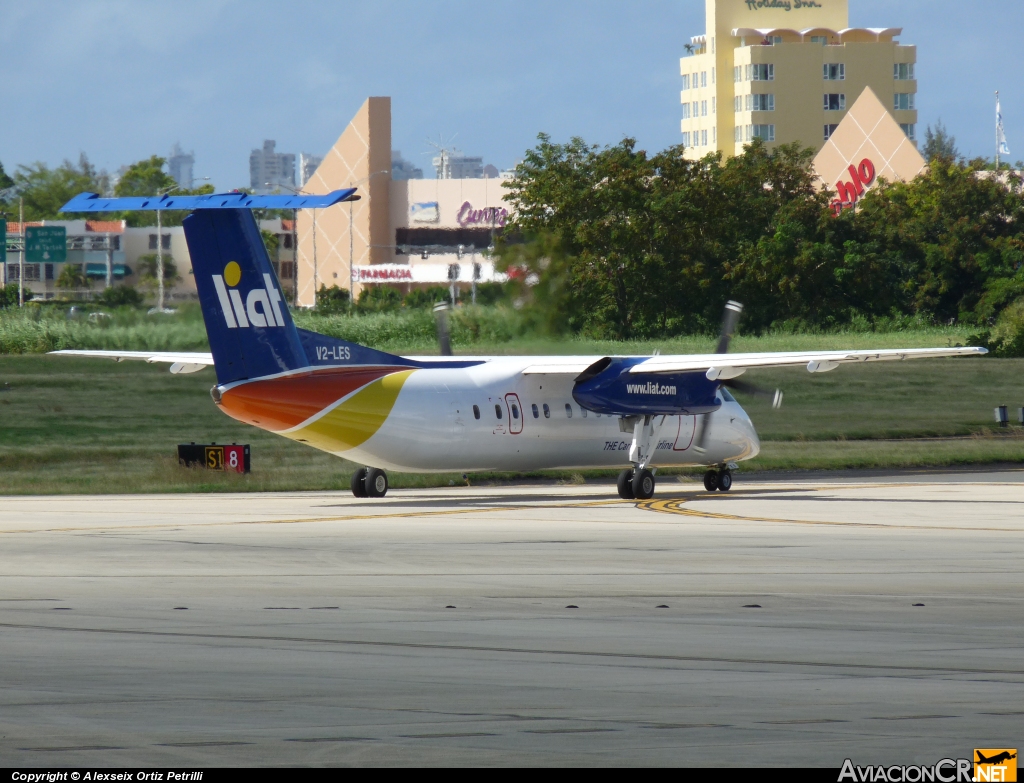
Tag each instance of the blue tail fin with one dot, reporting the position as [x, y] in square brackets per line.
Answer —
[250, 330]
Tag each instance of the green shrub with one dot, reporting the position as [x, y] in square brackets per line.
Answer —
[120, 296]
[332, 300]
[426, 297]
[379, 299]
[9, 295]
[1006, 338]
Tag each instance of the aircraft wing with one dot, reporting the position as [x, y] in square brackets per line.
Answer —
[814, 361]
[181, 362]
[733, 364]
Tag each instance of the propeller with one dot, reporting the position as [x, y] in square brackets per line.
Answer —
[443, 335]
[730, 320]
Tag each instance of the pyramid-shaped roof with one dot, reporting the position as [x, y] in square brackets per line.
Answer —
[869, 132]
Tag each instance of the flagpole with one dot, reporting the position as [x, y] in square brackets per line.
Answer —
[997, 130]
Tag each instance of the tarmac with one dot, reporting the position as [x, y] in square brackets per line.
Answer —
[795, 621]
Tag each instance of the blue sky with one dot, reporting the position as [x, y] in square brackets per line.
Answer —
[123, 80]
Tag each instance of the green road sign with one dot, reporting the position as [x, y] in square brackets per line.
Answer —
[3, 245]
[46, 243]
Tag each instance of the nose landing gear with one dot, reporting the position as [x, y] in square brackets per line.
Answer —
[369, 483]
[718, 479]
[625, 484]
[636, 484]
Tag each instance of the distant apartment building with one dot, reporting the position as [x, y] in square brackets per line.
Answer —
[270, 170]
[179, 166]
[450, 164]
[402, 169]
[307, 166]
[788, 72]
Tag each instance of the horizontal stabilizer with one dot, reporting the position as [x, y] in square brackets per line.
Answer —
[93, 202]
[180, 361]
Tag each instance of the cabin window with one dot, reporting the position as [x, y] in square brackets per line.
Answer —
[583, 412]
[547, 411]
[568, 411]
[476, 411]
[536, 413]
[497, 410]
[515, 411]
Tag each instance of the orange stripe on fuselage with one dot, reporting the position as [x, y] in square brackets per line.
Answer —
[282, 403]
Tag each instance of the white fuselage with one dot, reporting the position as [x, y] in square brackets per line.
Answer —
[493, 417]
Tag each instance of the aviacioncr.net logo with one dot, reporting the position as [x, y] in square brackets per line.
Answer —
[944, 771]
[262, 306]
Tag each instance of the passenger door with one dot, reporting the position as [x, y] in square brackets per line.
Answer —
[515, 414]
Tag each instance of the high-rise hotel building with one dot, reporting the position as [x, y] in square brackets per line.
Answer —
[787, 70]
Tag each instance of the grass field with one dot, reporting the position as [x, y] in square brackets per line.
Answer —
[92, 426]
[490, 330]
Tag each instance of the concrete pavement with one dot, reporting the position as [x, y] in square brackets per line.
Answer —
[775, 624]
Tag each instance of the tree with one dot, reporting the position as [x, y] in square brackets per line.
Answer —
[939, 143]
[956, 237]
[144, 178]
[270, 242]
[642, 244]
[72, 278]
[9, 295]
[622, 243]
[147, 178]
[148, 274]
[46, 190]
[5, 181]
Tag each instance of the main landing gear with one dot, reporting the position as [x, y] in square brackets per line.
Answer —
[718, 479]
[369, 483]
[636, 484]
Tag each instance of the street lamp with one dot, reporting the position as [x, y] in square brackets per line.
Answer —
[160, 247]
[351, 240]
[295, 244]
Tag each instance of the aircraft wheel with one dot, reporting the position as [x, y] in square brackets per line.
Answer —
[725, 481]
[711, 481]
[359, 483]
[376, 483]
[643, 484]
[625, 484]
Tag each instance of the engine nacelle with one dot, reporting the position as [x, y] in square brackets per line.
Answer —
[608, 387]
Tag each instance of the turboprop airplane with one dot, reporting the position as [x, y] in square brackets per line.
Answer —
[447, 414]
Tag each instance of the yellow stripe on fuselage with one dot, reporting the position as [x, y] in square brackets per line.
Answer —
[357, 419]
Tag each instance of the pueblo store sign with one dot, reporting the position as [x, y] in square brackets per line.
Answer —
[488, 216]
[861, 177]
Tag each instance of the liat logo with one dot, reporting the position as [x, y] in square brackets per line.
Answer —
[262, 306]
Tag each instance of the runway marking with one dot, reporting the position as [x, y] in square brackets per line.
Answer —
[666, 505]
[301, 520]
[675, 506]
[868, 667]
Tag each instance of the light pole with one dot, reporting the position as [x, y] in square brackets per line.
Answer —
[351, 241]
[295, 245]
[160, 248]
[21, 255]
